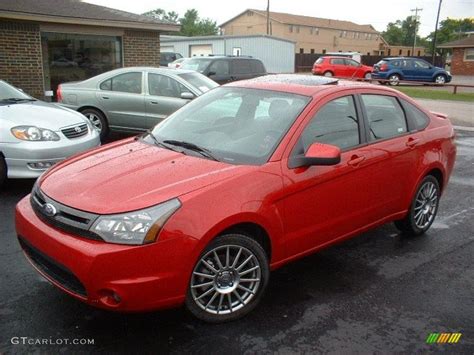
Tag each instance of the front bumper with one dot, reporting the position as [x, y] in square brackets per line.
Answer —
[21, 157]
[110, 276]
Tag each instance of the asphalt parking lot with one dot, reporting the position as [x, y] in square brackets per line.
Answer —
[380, 292]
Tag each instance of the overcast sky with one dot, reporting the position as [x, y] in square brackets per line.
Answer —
[375, 12]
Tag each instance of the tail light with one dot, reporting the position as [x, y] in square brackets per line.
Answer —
[383, 67]
[178, 65]
[59, 95]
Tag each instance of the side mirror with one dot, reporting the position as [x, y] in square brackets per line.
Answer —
[317, 154]
[187, 95]
[211, 73]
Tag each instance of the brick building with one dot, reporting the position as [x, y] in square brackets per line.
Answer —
[311, 34]
[462, 60]
[46, 42]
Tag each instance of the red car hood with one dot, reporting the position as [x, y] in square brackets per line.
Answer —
[130, 176]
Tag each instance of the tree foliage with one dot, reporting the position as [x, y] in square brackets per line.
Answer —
[402, 32]
[452, 29]
[191, 23]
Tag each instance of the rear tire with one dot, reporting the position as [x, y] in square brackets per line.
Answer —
[423, 208]
[233, 271]
[3, 171]
[98, 120]
[328, 74]
[394, 80]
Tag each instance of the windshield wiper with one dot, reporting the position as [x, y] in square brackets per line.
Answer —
[17, 99]
[191, 146]
[155, 140]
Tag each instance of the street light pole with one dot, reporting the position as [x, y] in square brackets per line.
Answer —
[433, 47]
[268, 17]
[416, 28]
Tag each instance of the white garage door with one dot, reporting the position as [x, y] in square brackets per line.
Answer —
[198, 50]
[167, 49]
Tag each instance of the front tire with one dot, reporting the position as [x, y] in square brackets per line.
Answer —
[423, 209]
[3, 171]
[98, 120]
[440, 79]
[368, 76]
[328, 74]
[394, 80]
[228, 280]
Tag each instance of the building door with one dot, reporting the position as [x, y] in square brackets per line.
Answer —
[200, 50]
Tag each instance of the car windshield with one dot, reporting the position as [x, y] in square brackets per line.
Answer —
[12, 94]
[198, 65]
[235, 125]
[201, 82]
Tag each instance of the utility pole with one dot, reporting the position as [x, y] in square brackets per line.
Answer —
[268, 17]
[433, 47]
[416, 9]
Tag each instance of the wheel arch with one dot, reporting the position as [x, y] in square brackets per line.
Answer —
[85, 107]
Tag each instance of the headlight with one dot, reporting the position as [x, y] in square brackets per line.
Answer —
[137, 227]
[32, 133]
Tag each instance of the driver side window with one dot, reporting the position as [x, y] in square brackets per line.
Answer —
[336, 123]
[161, 85]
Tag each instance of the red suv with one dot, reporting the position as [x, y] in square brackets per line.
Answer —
[341, 67]
[240, 181]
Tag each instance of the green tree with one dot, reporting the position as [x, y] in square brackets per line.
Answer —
[401, 32]
[191, 23]
[452, 29]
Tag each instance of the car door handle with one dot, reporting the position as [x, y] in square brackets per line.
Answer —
[105, 97]
[356, 160]
[412, 142]
[154, 102]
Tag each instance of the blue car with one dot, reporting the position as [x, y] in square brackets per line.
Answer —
[402, 68]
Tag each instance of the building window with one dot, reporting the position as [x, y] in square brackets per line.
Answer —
[291, 28]
[409, 53]
[77, 57]
[301, 50]
[250, 13]
[341, 33]
[237, 51]
[368, 54]
[419, 53]
[297, 29]
[389, 51]
[469, 54]
[324, 51]
[312, 50]
[400, 52]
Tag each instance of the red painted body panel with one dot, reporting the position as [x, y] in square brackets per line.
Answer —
[301, 210]
[340, 71]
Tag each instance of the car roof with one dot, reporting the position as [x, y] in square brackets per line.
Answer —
[301, 84]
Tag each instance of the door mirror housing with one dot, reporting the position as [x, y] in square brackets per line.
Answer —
[187, 95]
[317, 154]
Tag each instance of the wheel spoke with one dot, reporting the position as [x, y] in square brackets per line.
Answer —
[205, 293]
[209, 266]
[244, 263]
[203, 275]
[218, 260]
[238, 297]
[237, 258]
[227, 256]
[249, 280]
[203, 285]
[229, 299]
[221, 298]
[211, 300]
[248, 270]
[246, 289]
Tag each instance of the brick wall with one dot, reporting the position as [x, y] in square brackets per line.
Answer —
[141, 48]
[20, 56]
[458, 65]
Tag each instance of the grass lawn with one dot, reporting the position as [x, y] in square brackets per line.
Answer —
[423, 93]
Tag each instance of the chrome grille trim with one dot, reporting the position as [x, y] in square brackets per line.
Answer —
[76, 131]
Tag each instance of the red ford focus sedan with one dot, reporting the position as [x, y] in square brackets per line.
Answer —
[240, 181]
[341, 67]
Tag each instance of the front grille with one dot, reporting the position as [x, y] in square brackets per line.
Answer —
[76, 131]
[57, 272]
[65, 218]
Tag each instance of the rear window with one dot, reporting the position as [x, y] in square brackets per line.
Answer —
[417, 117]
[241, 66]
[200, 82]
[319, 60]
[337, 61]
[382, 62]
[198, 65]
[257, 67]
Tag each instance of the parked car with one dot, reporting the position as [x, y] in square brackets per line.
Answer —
[241, 181]
[168, 57]
[341, 67]
[225, 69]
[132, 99]
[35, 135]
[177, 63]
[411, 69]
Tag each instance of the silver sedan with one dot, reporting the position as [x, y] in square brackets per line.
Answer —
[34, 135]
[133, 99]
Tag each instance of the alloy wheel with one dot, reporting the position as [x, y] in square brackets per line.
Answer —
[95, 120]
[394, 80]
[328, 74]
[426, 204]
[225, 279]
[440, 79]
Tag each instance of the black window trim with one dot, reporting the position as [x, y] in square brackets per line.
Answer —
[366, 118]
[411, 120]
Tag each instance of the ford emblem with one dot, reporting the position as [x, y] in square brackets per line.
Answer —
[49, 210]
